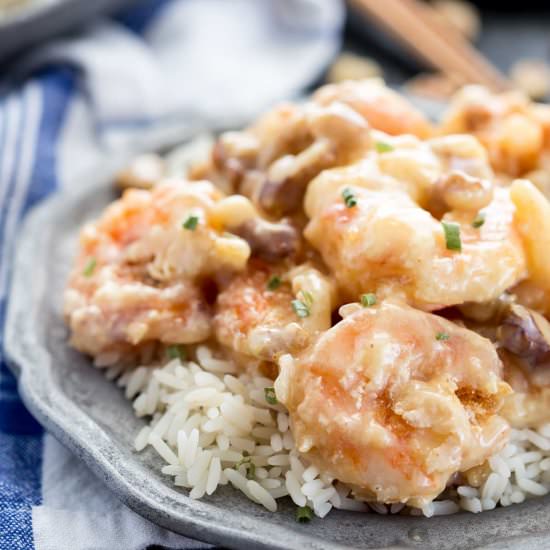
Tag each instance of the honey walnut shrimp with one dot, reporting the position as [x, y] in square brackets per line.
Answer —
[310, 207]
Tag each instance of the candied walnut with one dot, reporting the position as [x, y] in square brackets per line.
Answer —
[341, 135]
[532, 76]
[464, 16]
[269, 241]
[526, 334]
[144, 172]
[459, 191]
[350, 66]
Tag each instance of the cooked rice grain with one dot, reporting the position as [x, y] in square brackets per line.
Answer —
[206, 420]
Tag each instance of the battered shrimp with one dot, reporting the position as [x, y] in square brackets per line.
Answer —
[513, 130]
[273, 161]
[383, 108]
[394, 401]
[533, 220]
[411, 165]
[266, 311]
[141, 266]
[385, 243]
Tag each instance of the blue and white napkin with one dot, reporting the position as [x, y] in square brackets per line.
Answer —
[161, 72]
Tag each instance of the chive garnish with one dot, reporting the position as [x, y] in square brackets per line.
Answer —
[441, 336]
[349, 197]
[383, 147]
[89, 268]
[176, 352]
[479, 220]
[274, 283]
[452, 236]
[302, 307]
[191, 223]
[251, 471]
[270, 396]
[368, 300]
[250, 467]
[304, 514]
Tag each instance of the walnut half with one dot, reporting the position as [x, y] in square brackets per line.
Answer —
[526, 334]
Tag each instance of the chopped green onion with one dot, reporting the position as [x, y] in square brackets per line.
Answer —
[191, 223]
[251, 471]
[89, 268]
[249, 465]
[244, 460]
[300, 308]
[349, 197]
[368, 300]
[452, 236]
[274, 283]
[383, 147]
[176, 352]
[479, 220]
[307, 298]
[441, 336]
[270, 396]
[304, 514]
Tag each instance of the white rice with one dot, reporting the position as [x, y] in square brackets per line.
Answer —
[212, 426]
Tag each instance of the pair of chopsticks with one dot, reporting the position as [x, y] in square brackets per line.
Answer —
[419, 27]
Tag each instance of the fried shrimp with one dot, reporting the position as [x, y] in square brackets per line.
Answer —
[140, 269]
[266, 311]
[394, 401]
[388, 240]
[383, 108]
[514, 131]
[273, 161]
[533, 218]
[386, 243]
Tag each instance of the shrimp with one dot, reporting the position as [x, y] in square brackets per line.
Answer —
[514, 131]
[265, 311]
[394, 401]
[273, 161]
[140, 269]
[532, 216]
[385, 242]
[383, 108]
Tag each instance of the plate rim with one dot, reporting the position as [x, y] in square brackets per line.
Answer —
[36, 396]
[20, 339]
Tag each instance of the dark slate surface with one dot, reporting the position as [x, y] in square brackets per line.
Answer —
[506, 37]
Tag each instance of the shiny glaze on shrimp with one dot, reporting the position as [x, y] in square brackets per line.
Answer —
[273, 161]
[383, 108]
[140, 268]
[255, 316]
[515, 131]
[387, 243]
[532, 216]
[394, 401]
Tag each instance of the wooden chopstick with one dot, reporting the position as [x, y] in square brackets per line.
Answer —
[418, 26]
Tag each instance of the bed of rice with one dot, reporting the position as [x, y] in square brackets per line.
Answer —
[213, 426]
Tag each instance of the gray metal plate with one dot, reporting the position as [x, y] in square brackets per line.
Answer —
[90, 416]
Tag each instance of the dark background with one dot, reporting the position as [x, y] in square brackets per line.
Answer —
[508, 33]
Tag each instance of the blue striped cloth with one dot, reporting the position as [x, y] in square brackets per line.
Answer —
[27, 175]
[102, 93]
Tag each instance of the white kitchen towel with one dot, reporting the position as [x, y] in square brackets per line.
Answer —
[137, 82]
[199, 64]
[79, 513]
